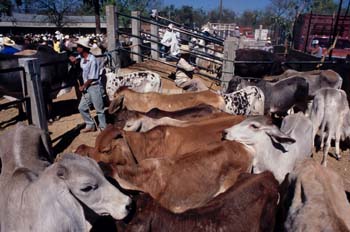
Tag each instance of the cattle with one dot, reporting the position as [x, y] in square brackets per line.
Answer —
[50, 201]
[314, 199]
[330, 113]
[273, 149]
[273, 67]
[160, 141]
[188, 114]
[142, 82]
[144, 123]
[317, 79]
[279, 96]
[22, 147]
[249, 205]
[246, 101]
[186, 181]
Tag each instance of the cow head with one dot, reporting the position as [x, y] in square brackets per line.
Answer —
[253, 130]
[84, 179]
[116, 105]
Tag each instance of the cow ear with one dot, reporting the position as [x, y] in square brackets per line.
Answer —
[62, 172]
[115, 105]
[277, 135]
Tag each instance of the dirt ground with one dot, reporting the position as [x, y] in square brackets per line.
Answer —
[66, 136]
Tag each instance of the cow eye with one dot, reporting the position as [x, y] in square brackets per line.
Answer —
[89, 188]
[254, 126]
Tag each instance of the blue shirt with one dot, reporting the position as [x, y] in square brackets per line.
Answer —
[90, 68]
[8, 50]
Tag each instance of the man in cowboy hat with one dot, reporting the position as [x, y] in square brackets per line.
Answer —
[92, 88]
[8, 46]
[184, 70]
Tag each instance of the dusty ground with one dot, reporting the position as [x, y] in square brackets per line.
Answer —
[65, 132]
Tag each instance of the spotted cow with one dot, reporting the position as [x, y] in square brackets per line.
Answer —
[247, 101]
[142, 82]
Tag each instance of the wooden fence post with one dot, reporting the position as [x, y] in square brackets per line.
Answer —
[112, 32]
[37, 103]
[228, 68]
[155, 36]
[136, 41]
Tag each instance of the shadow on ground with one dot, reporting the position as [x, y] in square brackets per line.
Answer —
[65, 108]
[66, 139]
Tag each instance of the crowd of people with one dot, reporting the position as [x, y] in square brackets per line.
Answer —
[58, 41]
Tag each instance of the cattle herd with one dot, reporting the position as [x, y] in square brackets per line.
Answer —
[239, 160]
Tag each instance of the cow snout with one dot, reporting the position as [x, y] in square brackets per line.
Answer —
[224, 134]
[130, 206]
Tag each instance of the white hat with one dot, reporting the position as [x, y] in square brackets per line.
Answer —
[84, 42]
[315, 41]
[171, 26]
[66, 36]
[184, 49]
[237, 27]
[8, 42]
[57, 32]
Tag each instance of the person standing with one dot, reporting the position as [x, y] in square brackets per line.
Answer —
[92, 90]
[170, 41]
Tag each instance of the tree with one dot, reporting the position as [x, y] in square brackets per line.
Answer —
[228, 16]
[96, 6]
[56, 10]
[5, 7]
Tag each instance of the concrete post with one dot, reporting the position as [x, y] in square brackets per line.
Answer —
[112, 32]
[37, 104]
[228, 68]
[154, 31]
[136, 31]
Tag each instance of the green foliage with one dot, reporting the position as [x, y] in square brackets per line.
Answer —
[5, 7]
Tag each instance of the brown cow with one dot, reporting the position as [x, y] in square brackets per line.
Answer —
[247, 101]
[187, 114]
[144, 102]
[160, 141]
[187, 181]
[316, 199]
[249, 205]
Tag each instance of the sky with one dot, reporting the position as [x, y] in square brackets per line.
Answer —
[236, 5]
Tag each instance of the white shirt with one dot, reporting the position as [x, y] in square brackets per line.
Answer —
[90, 68]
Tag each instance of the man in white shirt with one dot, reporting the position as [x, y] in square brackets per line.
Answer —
[92, 89]
[170, 41]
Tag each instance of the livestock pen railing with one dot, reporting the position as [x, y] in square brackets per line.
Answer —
[32, 91]
[227, 58]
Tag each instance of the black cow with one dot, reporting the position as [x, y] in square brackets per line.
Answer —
[257, 70]
[53, 76]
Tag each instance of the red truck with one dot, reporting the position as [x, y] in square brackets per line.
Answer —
[309, 27]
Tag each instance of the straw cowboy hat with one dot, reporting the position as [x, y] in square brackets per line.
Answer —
[8, 42]
[184, 49]
[84, 42]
